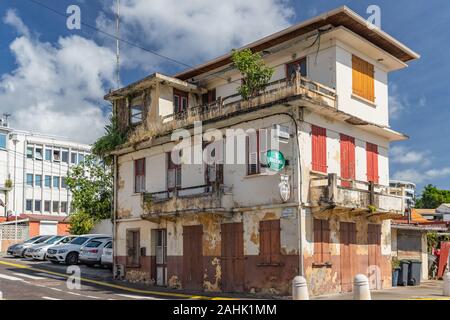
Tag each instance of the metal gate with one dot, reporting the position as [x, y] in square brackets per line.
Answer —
[193, 257]
[232, 260]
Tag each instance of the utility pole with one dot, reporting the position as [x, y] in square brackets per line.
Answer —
[118, 44]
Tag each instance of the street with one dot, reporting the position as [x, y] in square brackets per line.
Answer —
[22, 279]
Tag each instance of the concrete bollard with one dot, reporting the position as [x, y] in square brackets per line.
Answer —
[361, 289]
[446, 289]
[1, 295]
[299, 289]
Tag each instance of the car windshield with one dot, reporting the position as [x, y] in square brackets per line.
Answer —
[32, 239]
[53, 240]
[79, 240]
[93, 244]
[42, 239]
[66, 240]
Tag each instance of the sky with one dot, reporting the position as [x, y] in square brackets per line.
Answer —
[53, 79]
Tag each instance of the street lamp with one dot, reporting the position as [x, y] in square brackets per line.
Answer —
[15, 140]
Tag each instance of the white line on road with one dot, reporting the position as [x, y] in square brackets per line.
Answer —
[28, 276]
[50, 298]
[137, 297]
[47, 275]
[4, 276]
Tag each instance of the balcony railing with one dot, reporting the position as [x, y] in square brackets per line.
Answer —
[330, 192]
[205, 198]
[281, 91]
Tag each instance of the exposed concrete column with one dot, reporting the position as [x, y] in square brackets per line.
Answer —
[361, 290]
[299, 289]
[332, 187]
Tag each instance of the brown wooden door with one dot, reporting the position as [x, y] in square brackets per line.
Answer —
[374, 256]
[193, 257]
[348, 255]
[232, 260]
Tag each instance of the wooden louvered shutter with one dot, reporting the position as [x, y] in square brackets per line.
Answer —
[372, 162]
[363, 78]
[319, 149]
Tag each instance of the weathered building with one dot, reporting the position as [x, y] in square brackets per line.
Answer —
[248, 227]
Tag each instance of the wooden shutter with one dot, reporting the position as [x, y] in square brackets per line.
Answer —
[319, 149]
[322, 252]
[363, 78]
[270, 243]
[372, 162]
[133, 247]
[347, 159]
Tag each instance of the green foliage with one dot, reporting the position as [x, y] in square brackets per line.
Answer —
[255, 74]
[81, 223]
[372, 208]
[91, 184]
[109, 142]
[434, 240]
[432, 197]
[395, 263]
[8, 184]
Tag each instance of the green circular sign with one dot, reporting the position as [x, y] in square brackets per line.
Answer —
[275, 160]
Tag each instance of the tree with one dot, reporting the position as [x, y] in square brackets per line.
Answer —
[91, 185]
[109, 142]
[255, 74]
[432, 197]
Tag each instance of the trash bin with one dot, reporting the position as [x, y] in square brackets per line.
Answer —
[403, 275]
[415, 270]
[395, 274]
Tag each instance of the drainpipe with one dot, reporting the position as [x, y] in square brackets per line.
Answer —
[114, 208]
[299, 208]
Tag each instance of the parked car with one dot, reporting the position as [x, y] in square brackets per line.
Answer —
[91, 252]
[40, 251]
[69, 253]
[107, 255]
[28, 253]
[20, 249]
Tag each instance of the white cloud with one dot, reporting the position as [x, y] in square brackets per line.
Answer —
[417, 176]
[11, 18]
[397, 103]
[57, 88]
[403, 155]
[193, 31]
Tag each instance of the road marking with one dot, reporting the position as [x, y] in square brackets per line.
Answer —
[136, 297]
[51, 276]
[28, 276]
[50, 298]
[115, 286]
[4, 276]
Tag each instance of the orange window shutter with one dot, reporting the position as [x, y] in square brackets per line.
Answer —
[319, 149]
[363, 78]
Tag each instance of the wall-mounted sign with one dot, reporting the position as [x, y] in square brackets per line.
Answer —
[288, 213]
[285, 188]
[275, 160]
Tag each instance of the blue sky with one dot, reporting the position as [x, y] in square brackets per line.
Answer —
[41, 58]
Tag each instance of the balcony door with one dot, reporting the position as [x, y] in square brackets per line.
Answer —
[347, 159]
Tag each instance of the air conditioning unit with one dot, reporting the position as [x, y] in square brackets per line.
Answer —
[119, 271]
[282, 133]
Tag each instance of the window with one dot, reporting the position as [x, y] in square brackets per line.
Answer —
[2, 141]
[322, 252]
[29, 179]
[133, 248]
[139, 175]
[292, 67]
[173, 174]
[270, 244]
[29, 205]
[73, 158]
[372, 162]
[319, 149]
[56, 155]
[209, 97]
[37, 205]
[38, 153]
[256, 149]
[161, 246]
[136, 114]
[48, 181]
[47, 205]
[55, 207]
[363, 78]
[38, 180]
[63, 182]
[30, 152]
[80, 158]
[180, 101]
[56, 182]
[48, 154]
[63, 207]
[65, 156]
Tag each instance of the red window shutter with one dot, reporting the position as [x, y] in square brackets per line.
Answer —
[372, 162]
[347, 159]
[319, 149]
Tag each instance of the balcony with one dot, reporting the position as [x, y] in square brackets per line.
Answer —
[334, 195]
[198, 199]
[279, 92]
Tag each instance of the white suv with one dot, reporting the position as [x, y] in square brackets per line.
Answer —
[69, 253]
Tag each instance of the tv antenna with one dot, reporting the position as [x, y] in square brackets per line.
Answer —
[118, 44]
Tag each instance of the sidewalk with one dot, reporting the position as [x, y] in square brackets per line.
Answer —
[428, 290]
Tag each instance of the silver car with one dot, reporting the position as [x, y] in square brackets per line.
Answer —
[40, 251]
[20, 249]
[29, 251]
[91, 252]
[107, 255]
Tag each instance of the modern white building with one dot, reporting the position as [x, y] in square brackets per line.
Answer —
[33, 171]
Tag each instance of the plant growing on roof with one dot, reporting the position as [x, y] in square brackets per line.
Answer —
[255, 74]
[109, 141]
[8, 184]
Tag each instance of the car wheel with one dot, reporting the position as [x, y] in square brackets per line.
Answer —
[72, 258]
